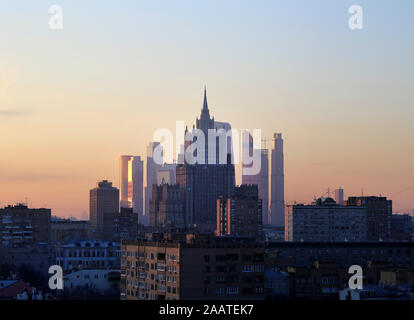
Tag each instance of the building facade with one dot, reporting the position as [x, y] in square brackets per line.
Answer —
[241, 214]
[104, 209]
[21, 226]
[166, 207]
[132, 184]
[378, 215]
[194, 269]
[88, 254]
[65, 229]
[325, 221]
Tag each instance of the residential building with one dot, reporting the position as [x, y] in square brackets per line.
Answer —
[66, 229]
[325, 221]
[88, 254]
[196, 268]
[378, 215]
[241, 214]
[22, 226]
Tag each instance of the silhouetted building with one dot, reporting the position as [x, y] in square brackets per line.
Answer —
[325, 221]
[152, 177]
[402, 227]
[277, 204]
[166, 207]
[195, 268]
[320, 270]
[241, 214]
[104, 209]
[378, 216]
[261, 179]
[66, 229]
[126, 224]
[22, 226]
[202, 184]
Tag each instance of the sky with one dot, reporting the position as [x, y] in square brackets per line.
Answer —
[73, 100]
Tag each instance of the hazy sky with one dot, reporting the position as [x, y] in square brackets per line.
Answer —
[72, 101]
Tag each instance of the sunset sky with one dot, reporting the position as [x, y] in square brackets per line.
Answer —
[72, 101]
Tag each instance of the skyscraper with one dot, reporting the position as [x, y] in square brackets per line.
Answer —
[202, 184]
[131, 184]
[277, 206]
[261, 179]
[152, 173]
[339, 196]
[123, 181]
[104, 209]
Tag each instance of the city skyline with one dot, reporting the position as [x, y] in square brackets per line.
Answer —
[71, 107]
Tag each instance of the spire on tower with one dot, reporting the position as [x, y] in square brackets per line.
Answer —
[205, 105]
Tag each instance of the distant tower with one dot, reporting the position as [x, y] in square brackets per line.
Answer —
[261, 180]
[339, 196]
[131, 184]
[277, 205]
[123, 181]
[104, 209]
[202, 184]
[152, 173]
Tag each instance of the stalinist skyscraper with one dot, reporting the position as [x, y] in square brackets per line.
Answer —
[202, 184]
[277, 205]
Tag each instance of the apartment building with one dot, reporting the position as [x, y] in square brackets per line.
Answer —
[21, 226]
[197, 267]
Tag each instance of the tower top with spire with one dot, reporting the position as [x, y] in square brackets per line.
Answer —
[205, 104]
[205, 122]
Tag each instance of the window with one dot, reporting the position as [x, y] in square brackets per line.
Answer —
[232, 290]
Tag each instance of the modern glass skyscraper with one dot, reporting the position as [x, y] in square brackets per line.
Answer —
[131, 184]
[277, 205]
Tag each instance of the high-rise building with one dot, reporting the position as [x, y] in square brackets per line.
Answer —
[241, 214]
[104, 209]
[123, 181]
[339, 196]
[202, 184]
[324, 220]
[277, 205]
[21, 226]
[131, 185]
[379, 216]
[196, 268]
[261, 179]
[152, 177]
[166, 207]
